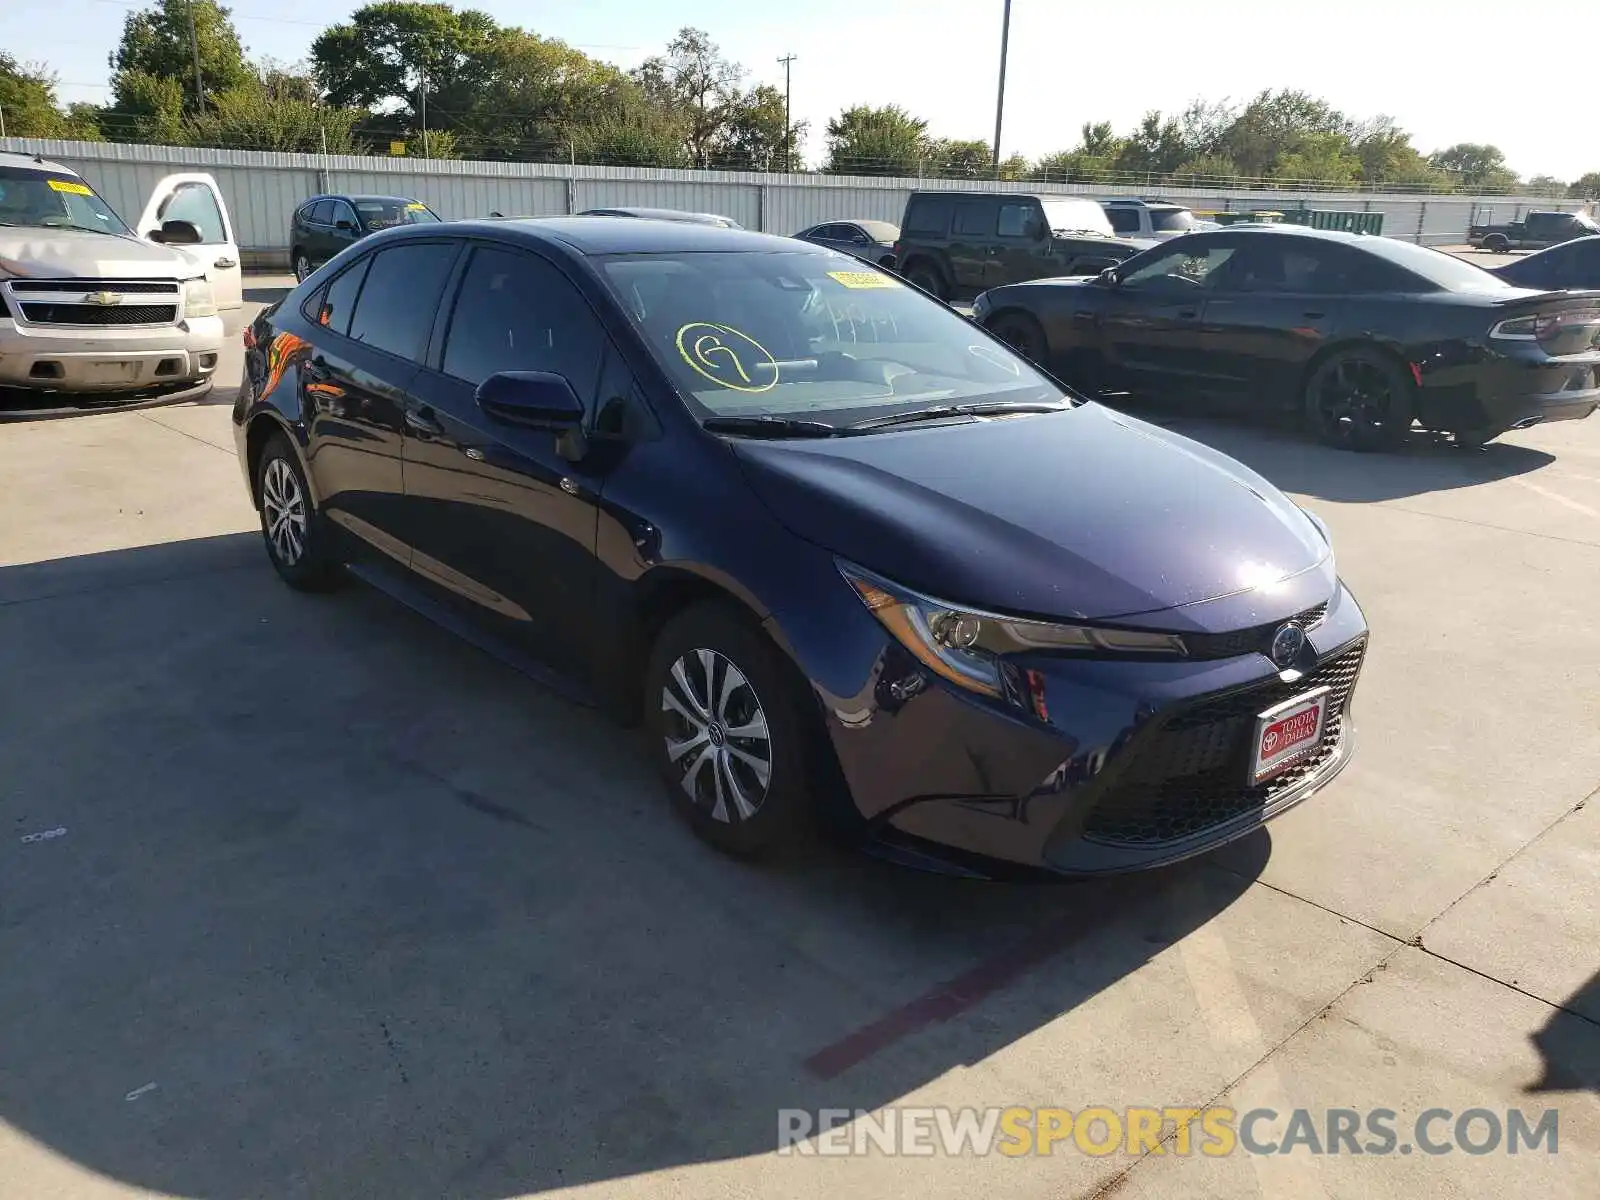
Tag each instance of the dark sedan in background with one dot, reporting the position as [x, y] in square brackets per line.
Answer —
[1365, 336]
[842, 551]
[870, 241]
[324, 225]
[1571, 265]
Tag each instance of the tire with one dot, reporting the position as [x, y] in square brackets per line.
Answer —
[1359, 400]
[716, 778]
[297, 545]
[302, 266]
[1496, 244]
[925, 275]
[1023, 334]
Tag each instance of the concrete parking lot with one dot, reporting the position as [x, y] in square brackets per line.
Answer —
[303, 897]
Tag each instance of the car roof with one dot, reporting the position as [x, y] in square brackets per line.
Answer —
[883, 231]
[624, 235]
[10, 158]
[357, 196]
[1132, 202]
[657, 214]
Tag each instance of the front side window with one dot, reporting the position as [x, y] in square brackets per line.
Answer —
[1179, 267]
[516, 312]
[806, 335]
[321, 213]
[375, 214]
[47, 199]
[1015, 220]
[401, 296]
[197, 204]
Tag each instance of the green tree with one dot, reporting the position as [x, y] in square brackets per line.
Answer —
[699, 87]
[1155, 148]
[1205, 170]
[754, 138]
[28, 98]
[876, 141]
[1477, 167]
[1585, 187]
[148, 108]
[1276, 124]
[533, 97]
[1545, 185]
[156, 43]
[954, 158]
[1324, 158]
[278, 110]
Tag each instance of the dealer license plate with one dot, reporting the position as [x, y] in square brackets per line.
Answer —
[113, 370]
[1287, 733]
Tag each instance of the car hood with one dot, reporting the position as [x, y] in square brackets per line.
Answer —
[1080, 514]
[76, 254]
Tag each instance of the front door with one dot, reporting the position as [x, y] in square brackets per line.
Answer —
[1151, 330]
[373, 324]
[1022, 244]
[502, 518]
[196, 198]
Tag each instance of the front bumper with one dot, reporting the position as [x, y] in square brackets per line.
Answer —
[1138, 764]
[109, 360]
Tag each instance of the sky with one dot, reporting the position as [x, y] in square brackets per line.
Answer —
[1426, 63]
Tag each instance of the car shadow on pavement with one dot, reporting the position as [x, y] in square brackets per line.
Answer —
[1295, 463]
[1568, 1045]
[340, 906]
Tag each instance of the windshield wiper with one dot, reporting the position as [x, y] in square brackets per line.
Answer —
[961, 410]
[769, 427]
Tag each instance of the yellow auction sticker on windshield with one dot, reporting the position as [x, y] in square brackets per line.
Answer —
[67, 185]
[415, 207]
[863, 279]
[728, 357]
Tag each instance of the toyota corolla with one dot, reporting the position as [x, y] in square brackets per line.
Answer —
[845, 555]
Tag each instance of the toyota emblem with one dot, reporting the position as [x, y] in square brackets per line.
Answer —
[1287, 644]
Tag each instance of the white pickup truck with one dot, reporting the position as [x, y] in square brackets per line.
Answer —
[94, 313]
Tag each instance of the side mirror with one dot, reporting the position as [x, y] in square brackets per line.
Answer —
[536, 399]
[345, 225]
[1109, 277]
[176, 233]
[1038, 230]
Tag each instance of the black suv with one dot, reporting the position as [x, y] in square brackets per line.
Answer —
[957, 244]
[325, 225]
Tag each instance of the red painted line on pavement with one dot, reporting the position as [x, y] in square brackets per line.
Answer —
[947, 1001]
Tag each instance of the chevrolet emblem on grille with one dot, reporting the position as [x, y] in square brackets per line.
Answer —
[102, 298]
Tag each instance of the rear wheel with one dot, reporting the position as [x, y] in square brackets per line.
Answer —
[1497, 243]
[727, 734]
[302, 266]
[293, 529]
[925, 275]
[1359, 400]
[1023, 334]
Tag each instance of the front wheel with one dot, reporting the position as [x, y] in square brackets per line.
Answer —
[1496, 244]
[726, 733]
[926, 276]
[1359, 400]
[1023, 334]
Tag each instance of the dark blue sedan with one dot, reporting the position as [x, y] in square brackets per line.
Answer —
[847, 556]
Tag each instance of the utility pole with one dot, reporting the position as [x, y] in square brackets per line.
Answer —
[788, 125]
[1000, 98]
[422, 92]
[194, 45]
[2, 120]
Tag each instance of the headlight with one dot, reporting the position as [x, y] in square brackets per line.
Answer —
[197, 299]
[968, 648]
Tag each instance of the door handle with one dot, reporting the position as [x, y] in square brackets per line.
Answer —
[422, 420]
[226, 264]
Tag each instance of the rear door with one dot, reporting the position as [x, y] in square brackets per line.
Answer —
[973, 243]
[196, 198]
[375, 319]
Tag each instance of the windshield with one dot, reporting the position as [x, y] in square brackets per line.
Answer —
[1171, 220]
[1071, 216]
[814, 336]
[380, 213]
[51, 200]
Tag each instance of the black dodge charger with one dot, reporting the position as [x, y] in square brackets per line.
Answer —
[839, 549]
[1365, 336]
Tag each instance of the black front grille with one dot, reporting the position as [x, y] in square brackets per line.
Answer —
[143, 287]
[1258, 640]
[100, 314]
[1188, 774]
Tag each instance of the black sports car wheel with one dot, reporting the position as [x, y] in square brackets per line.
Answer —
[1359, 400]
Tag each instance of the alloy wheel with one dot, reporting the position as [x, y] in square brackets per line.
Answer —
[1356, 398]
[283, 506]
[302, 268]
[716, 735]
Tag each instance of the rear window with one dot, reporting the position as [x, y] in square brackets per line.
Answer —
[928, 216]
[1171, 220]
[1444, 271]
[385, 214]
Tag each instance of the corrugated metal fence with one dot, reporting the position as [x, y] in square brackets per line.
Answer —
[263, 189]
